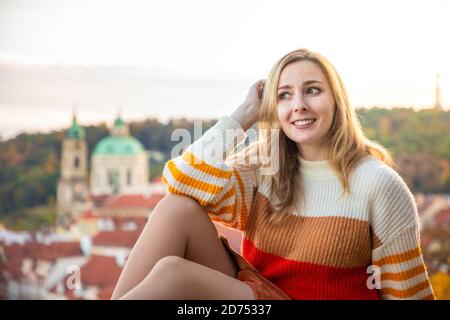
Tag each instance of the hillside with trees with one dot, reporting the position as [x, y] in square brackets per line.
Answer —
[419, 141]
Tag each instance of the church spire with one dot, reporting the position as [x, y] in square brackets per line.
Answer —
[120, 127]
[438, 104]
[75, 131]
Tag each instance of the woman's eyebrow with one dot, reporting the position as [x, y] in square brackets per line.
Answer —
[288, 86]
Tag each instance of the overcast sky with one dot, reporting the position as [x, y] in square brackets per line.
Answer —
[198, 58]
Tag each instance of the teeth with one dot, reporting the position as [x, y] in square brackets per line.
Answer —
[304, 122]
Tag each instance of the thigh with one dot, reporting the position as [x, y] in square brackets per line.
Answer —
[177, 278]
[204, 245]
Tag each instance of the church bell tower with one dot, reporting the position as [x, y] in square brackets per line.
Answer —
[73, 182]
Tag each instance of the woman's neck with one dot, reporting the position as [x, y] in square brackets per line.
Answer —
[312, 153]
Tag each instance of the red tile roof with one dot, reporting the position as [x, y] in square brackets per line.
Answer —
[93, 272]
[106, 293]
[138, 200]
[43, 251]
[16, 253]
[120, 222]
[12, 268]
[116, 238]
[98, 200]
[89, 214]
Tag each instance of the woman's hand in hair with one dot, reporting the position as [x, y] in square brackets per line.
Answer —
[248, 112]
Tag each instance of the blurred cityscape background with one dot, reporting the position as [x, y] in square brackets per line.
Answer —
[91, 92]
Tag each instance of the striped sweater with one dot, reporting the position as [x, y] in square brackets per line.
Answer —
[364, 245]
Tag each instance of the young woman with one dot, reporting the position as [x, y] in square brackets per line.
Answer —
[333, 221]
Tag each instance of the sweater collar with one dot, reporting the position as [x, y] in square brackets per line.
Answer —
[320, 168]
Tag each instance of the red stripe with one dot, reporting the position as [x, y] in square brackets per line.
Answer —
[308, 281]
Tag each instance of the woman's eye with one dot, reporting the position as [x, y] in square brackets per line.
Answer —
[312, 90]
[282, 95]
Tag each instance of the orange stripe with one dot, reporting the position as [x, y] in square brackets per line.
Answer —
[213, 217]
[236, 224]
[243, 216]
[407, 292]
[232, 224]
[192, 182]
[227, 209]
[398, 258]
[203, 203]
[175, 191]
[405, 275]
[201, 165]
[230, 193]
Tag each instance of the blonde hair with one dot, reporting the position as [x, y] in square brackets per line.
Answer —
[347, 143]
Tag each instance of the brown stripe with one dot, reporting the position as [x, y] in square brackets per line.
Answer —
[330, 241]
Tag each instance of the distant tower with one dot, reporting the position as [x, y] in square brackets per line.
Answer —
[73, 182]
[437, 104]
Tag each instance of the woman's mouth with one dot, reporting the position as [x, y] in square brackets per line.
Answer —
[303, 123]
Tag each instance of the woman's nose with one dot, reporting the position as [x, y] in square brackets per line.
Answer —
[299, 104]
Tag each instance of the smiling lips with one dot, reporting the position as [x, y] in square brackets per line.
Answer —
[303, 123]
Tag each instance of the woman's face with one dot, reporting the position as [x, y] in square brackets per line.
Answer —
[305, 105]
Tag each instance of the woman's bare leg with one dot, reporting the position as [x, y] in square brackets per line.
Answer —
[177, 278]
[178, 226]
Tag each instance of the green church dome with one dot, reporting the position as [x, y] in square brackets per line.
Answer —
[75, 131]
[118, 145]
[119, 122]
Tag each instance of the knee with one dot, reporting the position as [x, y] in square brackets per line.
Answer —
[170, 263]
[169, 268]
[179, 204]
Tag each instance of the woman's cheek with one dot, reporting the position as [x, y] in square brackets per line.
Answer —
[281, 111]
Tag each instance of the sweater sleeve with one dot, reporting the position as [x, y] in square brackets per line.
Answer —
[202, 173]
[396, 252]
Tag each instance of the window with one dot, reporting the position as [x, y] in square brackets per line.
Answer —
[129, 177]
[110, 177]
[76, 162]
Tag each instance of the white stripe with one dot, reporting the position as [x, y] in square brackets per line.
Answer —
[392, 248]
[404, 266]
[227, 217]
[196, 193]
[181, 187]
[198, 176]
[405, 284]
[215, 164]
[419, 295]
[227, 202]
[190, 171]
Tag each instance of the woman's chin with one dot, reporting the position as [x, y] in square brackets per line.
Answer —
[301, 139]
